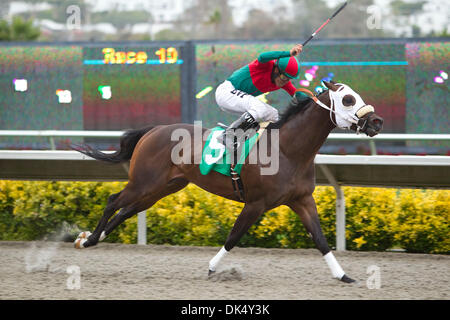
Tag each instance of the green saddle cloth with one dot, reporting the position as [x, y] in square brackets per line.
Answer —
[216, 157]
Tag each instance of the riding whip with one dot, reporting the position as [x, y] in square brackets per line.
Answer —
[325, 23]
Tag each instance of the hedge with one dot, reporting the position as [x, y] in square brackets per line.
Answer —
[376, 218]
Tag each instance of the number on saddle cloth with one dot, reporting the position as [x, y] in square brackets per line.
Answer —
[216, 157]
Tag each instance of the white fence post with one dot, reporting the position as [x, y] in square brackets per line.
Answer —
[340, 219]
[142, 228]
[340, 208]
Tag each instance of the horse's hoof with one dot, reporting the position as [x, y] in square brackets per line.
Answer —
[347, 279]
[84, 235]
[79, 243]
[210, 272]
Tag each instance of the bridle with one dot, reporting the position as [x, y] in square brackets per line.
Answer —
[363, 122]
[359, 121]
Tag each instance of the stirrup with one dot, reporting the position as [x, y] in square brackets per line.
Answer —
[234, 143]
[220, 124]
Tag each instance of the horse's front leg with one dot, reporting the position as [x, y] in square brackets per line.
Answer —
[246, 219]
[307, 211]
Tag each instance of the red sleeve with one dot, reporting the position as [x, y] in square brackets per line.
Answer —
[289, 87]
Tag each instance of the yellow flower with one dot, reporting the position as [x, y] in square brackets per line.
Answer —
[359, 242]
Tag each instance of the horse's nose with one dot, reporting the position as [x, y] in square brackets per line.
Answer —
[377, 122]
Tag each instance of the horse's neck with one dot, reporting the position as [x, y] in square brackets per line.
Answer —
[302, 136]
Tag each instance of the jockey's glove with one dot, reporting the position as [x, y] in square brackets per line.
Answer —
[301, 96]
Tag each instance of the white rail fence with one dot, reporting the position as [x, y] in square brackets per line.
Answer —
[52, 134]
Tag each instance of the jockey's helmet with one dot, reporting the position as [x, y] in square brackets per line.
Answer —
[289, 66]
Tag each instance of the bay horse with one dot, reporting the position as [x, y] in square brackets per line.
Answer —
[303, 128]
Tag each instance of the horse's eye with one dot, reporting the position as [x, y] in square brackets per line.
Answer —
[348, 100]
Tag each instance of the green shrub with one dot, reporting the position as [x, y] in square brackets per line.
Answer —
[376, 218]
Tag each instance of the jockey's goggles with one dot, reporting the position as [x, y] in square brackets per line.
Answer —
[284, 78]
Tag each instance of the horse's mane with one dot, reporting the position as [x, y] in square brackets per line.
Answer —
[294, 108]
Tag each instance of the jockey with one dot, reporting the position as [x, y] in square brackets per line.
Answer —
[271, 71]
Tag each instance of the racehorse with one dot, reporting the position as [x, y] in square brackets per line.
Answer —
[303, 128]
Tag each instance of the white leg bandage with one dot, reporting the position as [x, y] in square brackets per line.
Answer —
[102, 236]
[334, 266]
[216, 260]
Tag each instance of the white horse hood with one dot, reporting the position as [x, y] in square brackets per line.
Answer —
[348, 106]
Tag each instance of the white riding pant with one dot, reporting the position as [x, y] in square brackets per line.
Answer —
[237, 102]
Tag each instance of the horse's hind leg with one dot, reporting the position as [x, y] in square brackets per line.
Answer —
[86, 239]
[116, 201]
[307, 211]
[86, 234]
[132, 200]
[246, 219]
[143, 204]
[120, 217]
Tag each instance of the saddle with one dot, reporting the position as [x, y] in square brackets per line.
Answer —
[216, 157]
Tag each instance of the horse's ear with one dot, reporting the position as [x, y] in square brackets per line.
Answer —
[331, 86]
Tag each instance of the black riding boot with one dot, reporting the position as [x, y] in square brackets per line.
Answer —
[231, 137]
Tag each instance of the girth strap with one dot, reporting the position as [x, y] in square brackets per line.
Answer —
[238, 187]
[236, 181]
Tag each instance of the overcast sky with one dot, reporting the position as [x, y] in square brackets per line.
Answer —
[436, 16]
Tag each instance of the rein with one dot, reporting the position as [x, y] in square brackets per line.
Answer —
[320, 103]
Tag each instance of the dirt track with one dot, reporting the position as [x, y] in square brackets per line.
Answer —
[38, 270]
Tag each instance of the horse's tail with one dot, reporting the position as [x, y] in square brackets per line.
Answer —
[128, 142]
